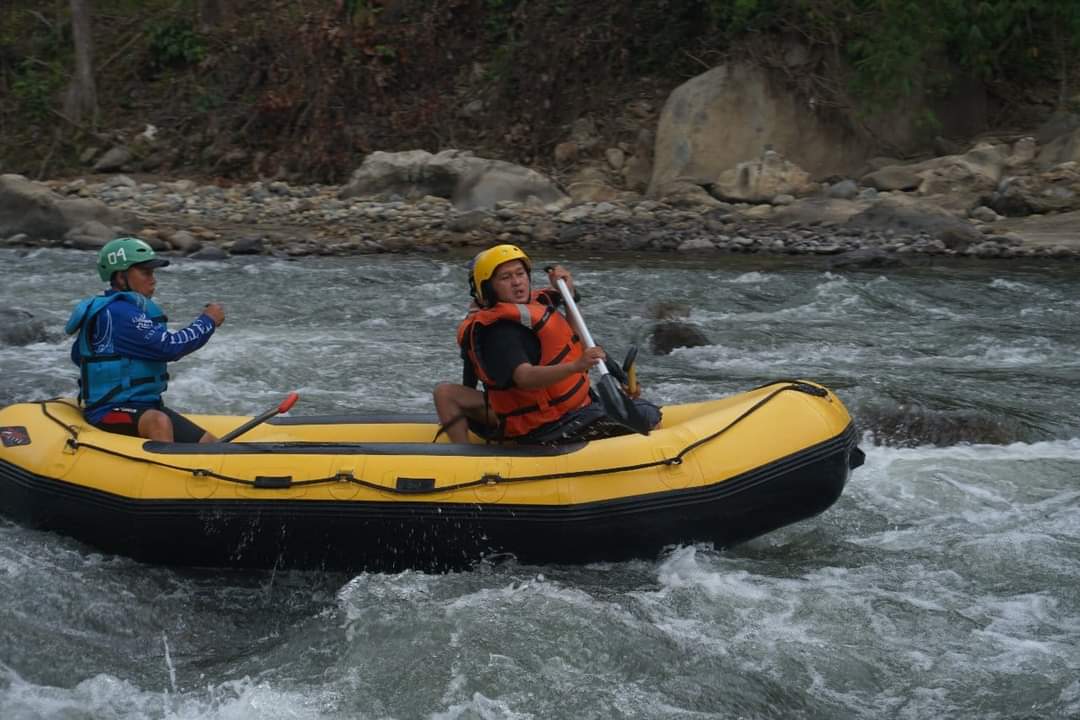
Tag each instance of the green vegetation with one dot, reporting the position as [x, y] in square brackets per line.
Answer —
[175, 44]
[892, 48]
[310, 86]
[34, 87]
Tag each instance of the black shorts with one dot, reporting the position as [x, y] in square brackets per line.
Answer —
[125, 421]
[582, 424]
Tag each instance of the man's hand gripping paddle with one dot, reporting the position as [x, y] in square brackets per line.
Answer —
[283, 407]
[616, 404]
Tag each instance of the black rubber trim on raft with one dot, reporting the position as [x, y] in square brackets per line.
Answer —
[317, 448]
[845, 443]
[386, 534]
[391, 419]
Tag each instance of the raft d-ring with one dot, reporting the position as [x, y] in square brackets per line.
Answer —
[71, 446]
[491, 489]
[675, 473]
[346, 487]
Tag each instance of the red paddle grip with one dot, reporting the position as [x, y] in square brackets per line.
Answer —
[288, 402]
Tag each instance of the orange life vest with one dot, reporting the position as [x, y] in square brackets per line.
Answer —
[521, 411]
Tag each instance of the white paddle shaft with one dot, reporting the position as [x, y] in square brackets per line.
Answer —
[575, 316]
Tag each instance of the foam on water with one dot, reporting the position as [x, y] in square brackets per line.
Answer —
[750, 278]
[941, 584]
[481, 707]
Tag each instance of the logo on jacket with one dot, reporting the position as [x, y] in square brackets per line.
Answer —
[143, 323]
[14, 435]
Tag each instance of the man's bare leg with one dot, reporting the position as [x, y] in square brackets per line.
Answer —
[454, 403]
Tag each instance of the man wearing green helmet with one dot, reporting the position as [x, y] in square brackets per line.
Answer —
[123, 345]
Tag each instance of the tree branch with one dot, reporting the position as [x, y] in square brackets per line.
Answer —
[121, 51]
[49, 155]
[43, 19]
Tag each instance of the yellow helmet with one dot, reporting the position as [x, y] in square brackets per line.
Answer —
[483, 267]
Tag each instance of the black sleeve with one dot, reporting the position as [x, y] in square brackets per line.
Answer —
[503, 347]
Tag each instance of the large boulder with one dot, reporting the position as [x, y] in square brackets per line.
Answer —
[90, 235]
[1057, 230]
[759, 181]
[823, 211]
[115, 159]
[1063, 149]
[1023, 152]
[865, 258]
[19, 327]
[955, 182]
[470, 182]
[732, 114]
[1056, 190]
[958, 182]
[670, 334]
[909, 215]
[691, 195]
[1060, 122]
[912, 426]
[33, 209]
[892, 177]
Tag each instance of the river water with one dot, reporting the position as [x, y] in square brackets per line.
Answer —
[945, 583]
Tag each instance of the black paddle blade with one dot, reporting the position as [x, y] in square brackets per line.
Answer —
[629, 369]
[619, 407]
[616, 370]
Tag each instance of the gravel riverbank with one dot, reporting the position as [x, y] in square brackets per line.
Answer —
[274, 217]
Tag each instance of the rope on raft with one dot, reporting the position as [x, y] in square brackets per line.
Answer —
[486, 480]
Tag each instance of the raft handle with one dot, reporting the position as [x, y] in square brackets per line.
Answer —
[417, 485]
[810, 389]
[273, 482]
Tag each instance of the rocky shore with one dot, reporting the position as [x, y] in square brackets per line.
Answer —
[731, 164]
[210, 221]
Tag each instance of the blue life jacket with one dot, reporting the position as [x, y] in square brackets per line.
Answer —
[112, 378]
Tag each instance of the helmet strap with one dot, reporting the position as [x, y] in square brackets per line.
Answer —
[488, 293]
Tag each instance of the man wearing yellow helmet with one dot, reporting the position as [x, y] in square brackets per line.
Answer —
[123, 345]
[533, 366]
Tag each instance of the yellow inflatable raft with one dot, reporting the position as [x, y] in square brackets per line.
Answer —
[376, 493]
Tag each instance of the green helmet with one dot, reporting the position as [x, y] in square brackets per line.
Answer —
[122, 253]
